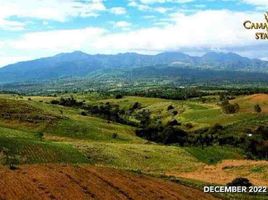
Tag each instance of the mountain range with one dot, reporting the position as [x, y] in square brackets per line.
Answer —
[79, 64]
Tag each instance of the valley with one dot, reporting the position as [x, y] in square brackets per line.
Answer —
[75, 131]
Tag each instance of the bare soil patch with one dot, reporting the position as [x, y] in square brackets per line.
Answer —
[55, 181]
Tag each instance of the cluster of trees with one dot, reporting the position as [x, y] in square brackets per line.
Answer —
[107, 111]
[235, 91]
[165, 93]
[255, 146]
[229, 108]
[69, 101]
[163, 134]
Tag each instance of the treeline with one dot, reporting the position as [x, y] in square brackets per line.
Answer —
[255, 144]
[108, 111]
[165, 93]
[175, 93]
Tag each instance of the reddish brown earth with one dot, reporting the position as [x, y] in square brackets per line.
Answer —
[52, 181]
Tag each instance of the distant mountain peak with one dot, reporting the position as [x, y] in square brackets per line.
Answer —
[79, 63]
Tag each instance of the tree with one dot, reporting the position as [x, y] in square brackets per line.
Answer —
[170, 107]
[229, 108]
[136, 105]
[174, 122]
[171, 135]
[40, 135]
[144, 117]
[175, 112]
[257, 108]
[119, 96]
[240, 181]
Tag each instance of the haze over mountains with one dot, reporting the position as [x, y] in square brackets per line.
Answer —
[79, 64]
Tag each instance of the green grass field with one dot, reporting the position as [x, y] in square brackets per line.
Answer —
[70, 137]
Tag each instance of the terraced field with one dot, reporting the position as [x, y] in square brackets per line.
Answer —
[84, 182]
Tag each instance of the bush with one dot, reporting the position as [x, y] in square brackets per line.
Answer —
[114, 135]
[83, 113]
[170, 107]
[189, 125]
[229, 108]
[257, 108]
[240, 182]
[136, 105]
[54, 101]
[119, 96]
[174, 123]
[70, 102]
[11, 159]
[175, 112]
[214, 129]
[40, 135]
[171, 135]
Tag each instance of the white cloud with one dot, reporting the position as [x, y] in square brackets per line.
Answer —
[7, 59]
[145, 7]
[164, 1]
[122, 24]
[220, 29]
[205, 29]
[118, 10]
[161, 9]
[57, 10]
[11, 25]
[256, 2]
[61, 40]
[139, 6]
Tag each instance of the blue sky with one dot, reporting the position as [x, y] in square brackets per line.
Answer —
[38, 28]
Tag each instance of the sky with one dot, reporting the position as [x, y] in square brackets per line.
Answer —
[31, 29]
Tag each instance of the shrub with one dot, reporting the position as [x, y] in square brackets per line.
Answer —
[171, 135]
[136, 105]
[214, 129]
[189, 125]
[54, 101]
[229, 108]
[119, 96]
[257, 108]
[40, 135]
[170, 107]
[11, 159]
[175, 112]
[174, 123]
[114, 135]
[83, 113]
[240, 182]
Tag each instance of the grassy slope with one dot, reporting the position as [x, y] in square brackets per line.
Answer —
[214, 154]
[144, 157]
[201, 114]
[73, 138]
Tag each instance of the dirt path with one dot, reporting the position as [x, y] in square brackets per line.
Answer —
[54, 181]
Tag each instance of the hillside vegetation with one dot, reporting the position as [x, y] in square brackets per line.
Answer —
[104, 131]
